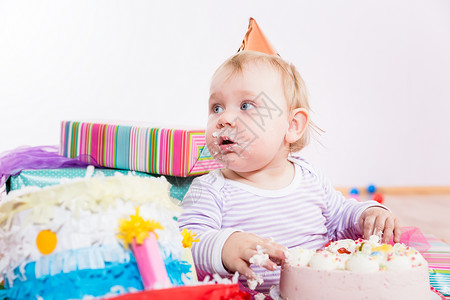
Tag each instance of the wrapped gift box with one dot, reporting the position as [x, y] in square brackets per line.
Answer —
[47, 177]
[438, 257]
[175, 152]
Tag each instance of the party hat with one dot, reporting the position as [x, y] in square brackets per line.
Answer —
[255, 40]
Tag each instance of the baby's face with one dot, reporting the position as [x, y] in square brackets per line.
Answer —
[247, 118]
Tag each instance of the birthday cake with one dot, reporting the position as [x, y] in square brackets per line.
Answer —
[361, 269]
[88, 238]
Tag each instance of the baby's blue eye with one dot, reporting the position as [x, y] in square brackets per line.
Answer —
[247, 106]
[217, 109]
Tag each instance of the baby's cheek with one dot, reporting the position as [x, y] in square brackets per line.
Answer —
[211, 125]
[211, 141]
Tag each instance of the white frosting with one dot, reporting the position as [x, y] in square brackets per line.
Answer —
[347, 244]
[417, 260]
[299, 256]
[399, 248]
[398, 263]
[260, 296]
[324, 260]
[361, 263]
[361, 256]
[208, 280]
[365, 248]
[253, 283]
[260, 258]
[380, 258]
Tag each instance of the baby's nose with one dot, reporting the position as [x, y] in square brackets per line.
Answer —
[227, 118]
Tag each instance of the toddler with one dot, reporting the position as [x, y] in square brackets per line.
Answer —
[265, 196]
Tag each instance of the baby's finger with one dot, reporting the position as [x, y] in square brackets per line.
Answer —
[388, 229]
[243, 269]
[368, 226]
[277, 261]
[269, 265]
[261, 257]
[379, 224]
[248, 254]
[276, 252]
[397, 231]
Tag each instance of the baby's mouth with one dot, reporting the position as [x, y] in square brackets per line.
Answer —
[225, 142]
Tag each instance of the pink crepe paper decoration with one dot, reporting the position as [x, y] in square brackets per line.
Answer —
[413, 237]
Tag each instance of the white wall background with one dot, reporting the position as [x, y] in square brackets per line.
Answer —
[378, 73]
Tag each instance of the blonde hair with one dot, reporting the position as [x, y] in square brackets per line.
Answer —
[293, 85]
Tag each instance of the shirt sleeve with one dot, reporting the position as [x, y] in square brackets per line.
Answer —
[342, 214]
[202, 212]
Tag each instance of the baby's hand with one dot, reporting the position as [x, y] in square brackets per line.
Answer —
[241, 246]
[377, 220]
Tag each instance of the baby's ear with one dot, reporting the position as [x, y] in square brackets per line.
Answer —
[298, 121]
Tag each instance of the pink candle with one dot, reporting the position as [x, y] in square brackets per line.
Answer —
[150, 263]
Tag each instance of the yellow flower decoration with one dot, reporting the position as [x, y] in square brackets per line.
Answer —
[188, 238]
[137, 228]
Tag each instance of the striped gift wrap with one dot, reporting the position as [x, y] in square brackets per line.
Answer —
[165, 151]
[438, 258]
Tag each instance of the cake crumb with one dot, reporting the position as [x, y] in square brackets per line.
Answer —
[260, 296]
[253, 283]
[260, 258]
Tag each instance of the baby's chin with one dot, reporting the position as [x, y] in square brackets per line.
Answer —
[237, 164]
[230, 160]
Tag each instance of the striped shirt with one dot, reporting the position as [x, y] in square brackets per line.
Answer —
[307, 213]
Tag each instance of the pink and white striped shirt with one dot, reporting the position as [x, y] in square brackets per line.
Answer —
[307, 213]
